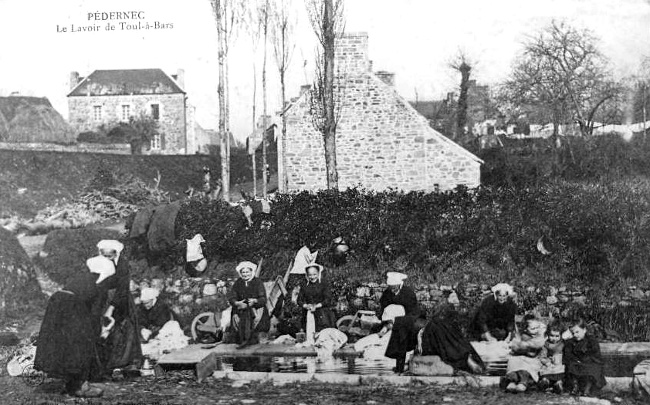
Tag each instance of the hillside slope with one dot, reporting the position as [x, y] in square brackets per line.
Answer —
[32, 180]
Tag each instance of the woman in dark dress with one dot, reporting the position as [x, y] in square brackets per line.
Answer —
[153, 314]
[316, 297]
[495, 317]
[403, 339]
[72, 327]
[122, 347]
[248, 300]
[442, 336]
[399, 294]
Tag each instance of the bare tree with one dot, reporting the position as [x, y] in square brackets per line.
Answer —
[462, 64]
[264, 23]
[282, 32]
[562, 72]
[253, 28]
[642, 80]
[227, 14]
[326, 17]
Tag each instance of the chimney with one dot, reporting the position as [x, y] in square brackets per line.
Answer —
[386, 77]
[74, 80]
[179, 77]
[351, 53]
[304, 88]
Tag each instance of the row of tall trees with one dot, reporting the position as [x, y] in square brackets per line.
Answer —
[272, 21]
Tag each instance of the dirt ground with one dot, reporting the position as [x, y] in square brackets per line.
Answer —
[180, 387]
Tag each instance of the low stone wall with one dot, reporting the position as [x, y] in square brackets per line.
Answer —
[116, 149]
[191, 296]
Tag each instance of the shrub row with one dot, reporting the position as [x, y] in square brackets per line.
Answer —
[596, 234]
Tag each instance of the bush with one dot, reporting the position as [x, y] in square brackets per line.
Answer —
[596, 233]
[68, 249]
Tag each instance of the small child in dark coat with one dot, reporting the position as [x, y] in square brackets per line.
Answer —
[583, 361]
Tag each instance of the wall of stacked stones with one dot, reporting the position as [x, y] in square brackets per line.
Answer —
[381, 142]
[190, 296]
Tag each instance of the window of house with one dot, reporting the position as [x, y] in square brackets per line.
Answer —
[97, 113]
[156, 142]
[155, 111]
[126, 112]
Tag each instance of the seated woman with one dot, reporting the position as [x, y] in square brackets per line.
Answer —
[153, 314]
[525, 363]
[248, 300]
[583, 361]
[399, 294]
[404, 339]
[495, 317]
[374, 345]
[315, 297]
[442, 336]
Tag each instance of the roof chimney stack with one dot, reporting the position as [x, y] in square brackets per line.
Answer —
[386, 77]
[74, 80]
[179, 78]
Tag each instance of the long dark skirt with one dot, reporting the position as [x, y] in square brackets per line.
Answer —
[67, 340]
[323, 317]
[444, 340]
[243, 327]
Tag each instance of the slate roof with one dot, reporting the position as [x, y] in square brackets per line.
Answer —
[126, 82]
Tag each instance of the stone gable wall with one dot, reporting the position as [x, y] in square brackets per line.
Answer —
[172, 115]
[382, 142]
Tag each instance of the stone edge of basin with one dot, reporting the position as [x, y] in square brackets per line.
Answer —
[616, 384]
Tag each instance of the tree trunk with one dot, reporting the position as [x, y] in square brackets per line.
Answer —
[223, 135]
[282, 178]
[253, 155]
[461, 119]
[329, 132]
[264, 102]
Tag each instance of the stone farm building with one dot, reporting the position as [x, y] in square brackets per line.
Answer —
[381, 140]
[112, 96]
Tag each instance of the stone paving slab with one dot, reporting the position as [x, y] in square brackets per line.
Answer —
[195, 353]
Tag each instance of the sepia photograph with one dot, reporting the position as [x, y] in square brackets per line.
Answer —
[322, 202]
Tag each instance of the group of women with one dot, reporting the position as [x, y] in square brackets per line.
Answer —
[438, 335]
[90, 326]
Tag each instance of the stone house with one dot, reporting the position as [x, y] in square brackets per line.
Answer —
[381, 141]
[112, 96]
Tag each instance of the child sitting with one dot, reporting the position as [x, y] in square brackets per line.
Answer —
[584, 364]
[524, 363]
[552, 370]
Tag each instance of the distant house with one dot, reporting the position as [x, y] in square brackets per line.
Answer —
[32, 119]
[112, 96]
[381, 140]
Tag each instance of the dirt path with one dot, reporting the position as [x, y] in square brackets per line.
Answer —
[180, 387]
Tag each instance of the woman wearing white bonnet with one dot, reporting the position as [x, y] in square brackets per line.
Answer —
[72, 327]
[122, 349]
[153, 313]
[399, 294]
[495, 317]
[248, 300]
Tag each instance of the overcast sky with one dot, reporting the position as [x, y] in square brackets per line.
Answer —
[413, 38]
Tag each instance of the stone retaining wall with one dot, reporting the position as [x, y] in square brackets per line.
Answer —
[116, 149]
